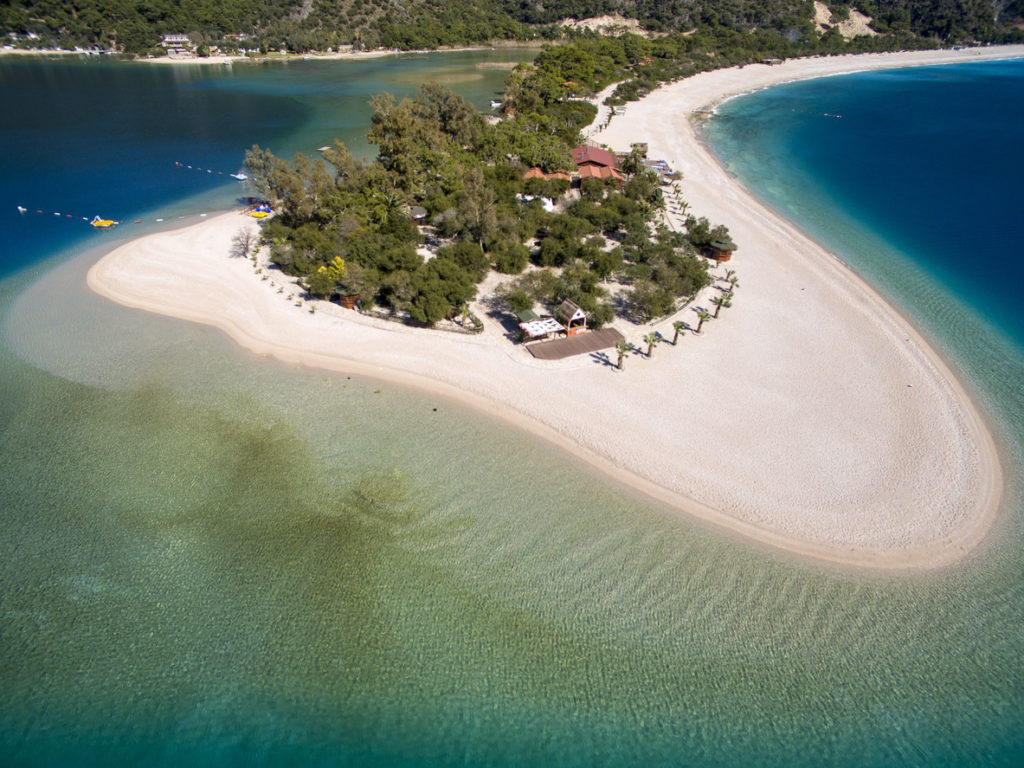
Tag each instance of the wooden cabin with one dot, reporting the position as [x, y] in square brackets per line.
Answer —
[721, 250]
[572, 317]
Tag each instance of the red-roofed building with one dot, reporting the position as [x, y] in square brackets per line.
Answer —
[592, 155]
[595, 163]
[537, 173]
[598, 172]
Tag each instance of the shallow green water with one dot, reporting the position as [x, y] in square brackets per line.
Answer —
[220, 559]
[212, 558]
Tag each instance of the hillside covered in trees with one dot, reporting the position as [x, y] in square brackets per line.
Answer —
[136, 27]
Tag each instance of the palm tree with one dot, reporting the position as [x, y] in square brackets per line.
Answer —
[384, 202]
[719, 302]
[703, 315]
[652, 339]
[622, 347]
[678, 326]
[733, 282]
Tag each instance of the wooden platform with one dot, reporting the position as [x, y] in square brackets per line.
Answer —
[575, 345]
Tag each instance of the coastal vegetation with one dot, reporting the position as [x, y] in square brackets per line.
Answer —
[682, 32]
[495, 195]
[345, 225]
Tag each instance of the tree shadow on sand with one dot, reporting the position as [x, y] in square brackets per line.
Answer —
[498, 310]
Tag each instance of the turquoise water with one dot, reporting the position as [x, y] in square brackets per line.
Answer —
[209, 557]
[919, 166]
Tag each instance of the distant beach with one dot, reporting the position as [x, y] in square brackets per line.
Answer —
[810, 416]
[350, 55]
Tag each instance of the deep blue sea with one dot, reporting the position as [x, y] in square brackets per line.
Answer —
[212, 558]
[87, 138]
[917, 167]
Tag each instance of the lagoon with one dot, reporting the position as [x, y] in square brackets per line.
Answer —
[213, 557]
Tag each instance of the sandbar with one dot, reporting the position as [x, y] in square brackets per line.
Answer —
[810, 416]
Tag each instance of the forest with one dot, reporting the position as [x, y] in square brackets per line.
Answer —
[345, 225]
[136, 27]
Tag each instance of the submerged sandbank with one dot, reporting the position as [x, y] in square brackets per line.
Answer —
[810, 416]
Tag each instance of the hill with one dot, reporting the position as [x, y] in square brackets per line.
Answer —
[137, 26]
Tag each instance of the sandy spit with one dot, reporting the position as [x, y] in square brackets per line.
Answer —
[810, 416]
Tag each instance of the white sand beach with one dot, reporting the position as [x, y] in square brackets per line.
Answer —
[810, 416]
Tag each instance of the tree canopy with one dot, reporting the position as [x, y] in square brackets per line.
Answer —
[771, 27]
[345, 225]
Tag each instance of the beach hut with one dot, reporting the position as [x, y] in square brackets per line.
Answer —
[538, 328]
[418, 213]
[572, 317]
[721, 250]
[527, 316]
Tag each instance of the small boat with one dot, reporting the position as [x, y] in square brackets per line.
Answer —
[240, 176]
[98, 223]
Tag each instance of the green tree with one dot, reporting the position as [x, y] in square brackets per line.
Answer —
[323, 281]
[652, 339]
[677, 326]
[519, 300]
[720, 302]
[510, 258]
[622, 347]
[703, 315]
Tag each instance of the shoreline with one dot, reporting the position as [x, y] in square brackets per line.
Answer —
[734, 427]
[230, 59]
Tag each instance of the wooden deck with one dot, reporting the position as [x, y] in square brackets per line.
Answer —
[575, 345]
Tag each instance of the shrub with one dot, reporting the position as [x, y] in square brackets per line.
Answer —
[519, 300]
[511, 258]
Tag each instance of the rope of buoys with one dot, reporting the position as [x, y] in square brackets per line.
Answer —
[240, 176]
[100, 223]
[97, 222]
